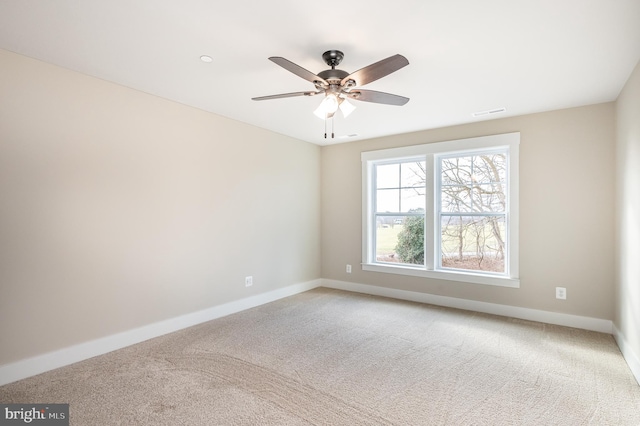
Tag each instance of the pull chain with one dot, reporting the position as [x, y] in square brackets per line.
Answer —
[325, 128]
[333, 135]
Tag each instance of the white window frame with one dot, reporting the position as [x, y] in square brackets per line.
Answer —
[430, 153]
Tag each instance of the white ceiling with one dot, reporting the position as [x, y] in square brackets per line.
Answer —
[465, 55]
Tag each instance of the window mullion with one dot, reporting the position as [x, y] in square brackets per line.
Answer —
[399, 186]
[430, 213]
[374, 210]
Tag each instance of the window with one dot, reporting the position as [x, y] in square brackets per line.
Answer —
[445, 210]
[399, 202]
[471, 210]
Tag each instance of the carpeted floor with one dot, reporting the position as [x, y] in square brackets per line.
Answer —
[327, 357]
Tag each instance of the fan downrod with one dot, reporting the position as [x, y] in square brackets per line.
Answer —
[333, 57]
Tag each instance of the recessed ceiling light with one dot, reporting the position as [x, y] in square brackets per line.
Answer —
[206, 58]
[488, 112]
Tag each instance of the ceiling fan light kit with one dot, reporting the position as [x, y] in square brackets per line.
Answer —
[327, 107]
[346, 107]
[338, 85]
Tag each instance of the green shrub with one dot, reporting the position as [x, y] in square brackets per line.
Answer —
[410, 248]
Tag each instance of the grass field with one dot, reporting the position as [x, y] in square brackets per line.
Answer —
[387, 239]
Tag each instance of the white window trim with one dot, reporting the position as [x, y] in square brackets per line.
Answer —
[428, 151]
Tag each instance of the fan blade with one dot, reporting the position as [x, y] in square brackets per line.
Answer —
[375, 71]
[377, 97]
[298, 70]
[285, 95]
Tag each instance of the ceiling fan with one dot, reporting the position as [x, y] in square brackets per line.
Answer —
[338, 85]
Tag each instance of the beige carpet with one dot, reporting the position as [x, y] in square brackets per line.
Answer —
[327, 357]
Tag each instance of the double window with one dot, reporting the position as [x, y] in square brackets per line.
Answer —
[445, 210]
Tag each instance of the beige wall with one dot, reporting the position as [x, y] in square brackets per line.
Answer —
[566, 211]
[119, 209]
[627, 319]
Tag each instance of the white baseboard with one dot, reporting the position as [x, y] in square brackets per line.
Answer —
[632, 358]
[575, 321]
[39, 364]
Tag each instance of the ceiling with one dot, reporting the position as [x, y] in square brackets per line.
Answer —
[464, 56]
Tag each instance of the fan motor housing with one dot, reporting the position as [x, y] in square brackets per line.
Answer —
[333, 74]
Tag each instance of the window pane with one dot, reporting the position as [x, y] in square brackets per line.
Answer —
[388, 200]
[473, 183]
[412, 200]
[473, 243]
[489, 198]
[388, 176]
[413, 174]
[490, 168]
[400, 239]
[456, 170]
[456, 199]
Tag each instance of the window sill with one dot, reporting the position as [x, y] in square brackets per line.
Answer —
[444, 275]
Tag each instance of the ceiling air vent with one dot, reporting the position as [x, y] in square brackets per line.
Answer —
[489, 112]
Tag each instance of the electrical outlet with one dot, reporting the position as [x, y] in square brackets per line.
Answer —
[248, 281]
[561, 293]
[348, 269]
